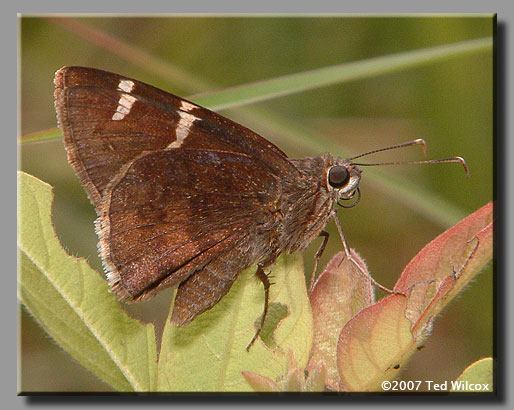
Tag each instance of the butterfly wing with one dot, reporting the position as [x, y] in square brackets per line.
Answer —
[171, 213]
[108, 120]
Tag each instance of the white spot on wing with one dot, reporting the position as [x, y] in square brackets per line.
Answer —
[185, 106]
[126, 101]
[184, 124]
[126, 85]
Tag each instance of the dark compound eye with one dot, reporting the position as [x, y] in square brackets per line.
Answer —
[338, 176]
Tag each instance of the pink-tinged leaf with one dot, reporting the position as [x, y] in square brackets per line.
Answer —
[291, 360]
[340, 292]
[260, 383]
[376, 343]
[316, 379]
[447, 264]
[295, 380]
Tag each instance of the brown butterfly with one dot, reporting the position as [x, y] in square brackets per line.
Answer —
[186, 197]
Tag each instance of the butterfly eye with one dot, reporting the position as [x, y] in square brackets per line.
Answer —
[338, 176]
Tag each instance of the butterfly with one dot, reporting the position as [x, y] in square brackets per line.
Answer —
[187, 198]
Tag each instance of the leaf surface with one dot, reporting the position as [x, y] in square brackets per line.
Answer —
[210, 353]
[340, 292]
[477, 373]
[72, 303]
[377, 342]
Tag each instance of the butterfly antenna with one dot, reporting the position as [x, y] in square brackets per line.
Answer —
[409, 144]
[428, 161]
[405, 144]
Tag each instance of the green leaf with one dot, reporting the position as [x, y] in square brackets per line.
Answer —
[477, 376]
[50, 134]
[210, 353]
[71, 301]
[336, 74]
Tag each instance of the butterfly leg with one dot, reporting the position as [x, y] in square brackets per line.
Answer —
[349, 256]
[267, 284]
[317, 256]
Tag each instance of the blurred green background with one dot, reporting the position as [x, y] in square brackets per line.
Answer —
[448, 103]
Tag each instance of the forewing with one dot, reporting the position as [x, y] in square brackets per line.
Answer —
[169, 213]
[108, 120]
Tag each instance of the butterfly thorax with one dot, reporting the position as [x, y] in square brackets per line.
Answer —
[308, 203]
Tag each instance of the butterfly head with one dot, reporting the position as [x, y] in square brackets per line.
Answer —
[343, 178]
[344, 175]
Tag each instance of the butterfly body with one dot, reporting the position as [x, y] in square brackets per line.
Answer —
[184, 196]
